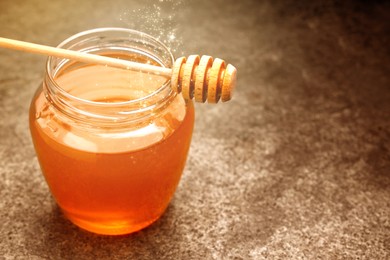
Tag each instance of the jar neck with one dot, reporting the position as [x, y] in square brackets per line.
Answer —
[116, 42]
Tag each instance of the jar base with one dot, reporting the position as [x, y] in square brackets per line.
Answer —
[111, 228]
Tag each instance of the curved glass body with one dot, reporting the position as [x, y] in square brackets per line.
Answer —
[111, 143]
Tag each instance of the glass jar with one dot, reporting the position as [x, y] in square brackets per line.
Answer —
[111, 143]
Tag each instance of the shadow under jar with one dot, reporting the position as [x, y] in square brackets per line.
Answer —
[112, 143]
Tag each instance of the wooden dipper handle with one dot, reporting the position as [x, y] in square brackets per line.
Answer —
[204, 78]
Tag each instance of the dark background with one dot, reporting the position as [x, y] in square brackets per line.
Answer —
[296, 166]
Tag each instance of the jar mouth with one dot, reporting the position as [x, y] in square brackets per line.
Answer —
[98, 41]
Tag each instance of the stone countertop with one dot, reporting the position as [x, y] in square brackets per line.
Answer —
[297, 166]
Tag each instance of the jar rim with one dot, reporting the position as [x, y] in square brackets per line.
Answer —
[51, 72]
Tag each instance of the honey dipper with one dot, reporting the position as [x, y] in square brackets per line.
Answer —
[204, 78]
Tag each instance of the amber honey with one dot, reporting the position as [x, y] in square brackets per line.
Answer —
[112, 144]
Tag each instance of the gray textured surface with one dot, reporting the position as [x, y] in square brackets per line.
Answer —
[297, 166]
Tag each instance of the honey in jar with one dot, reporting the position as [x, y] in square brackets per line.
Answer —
[112, 143]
